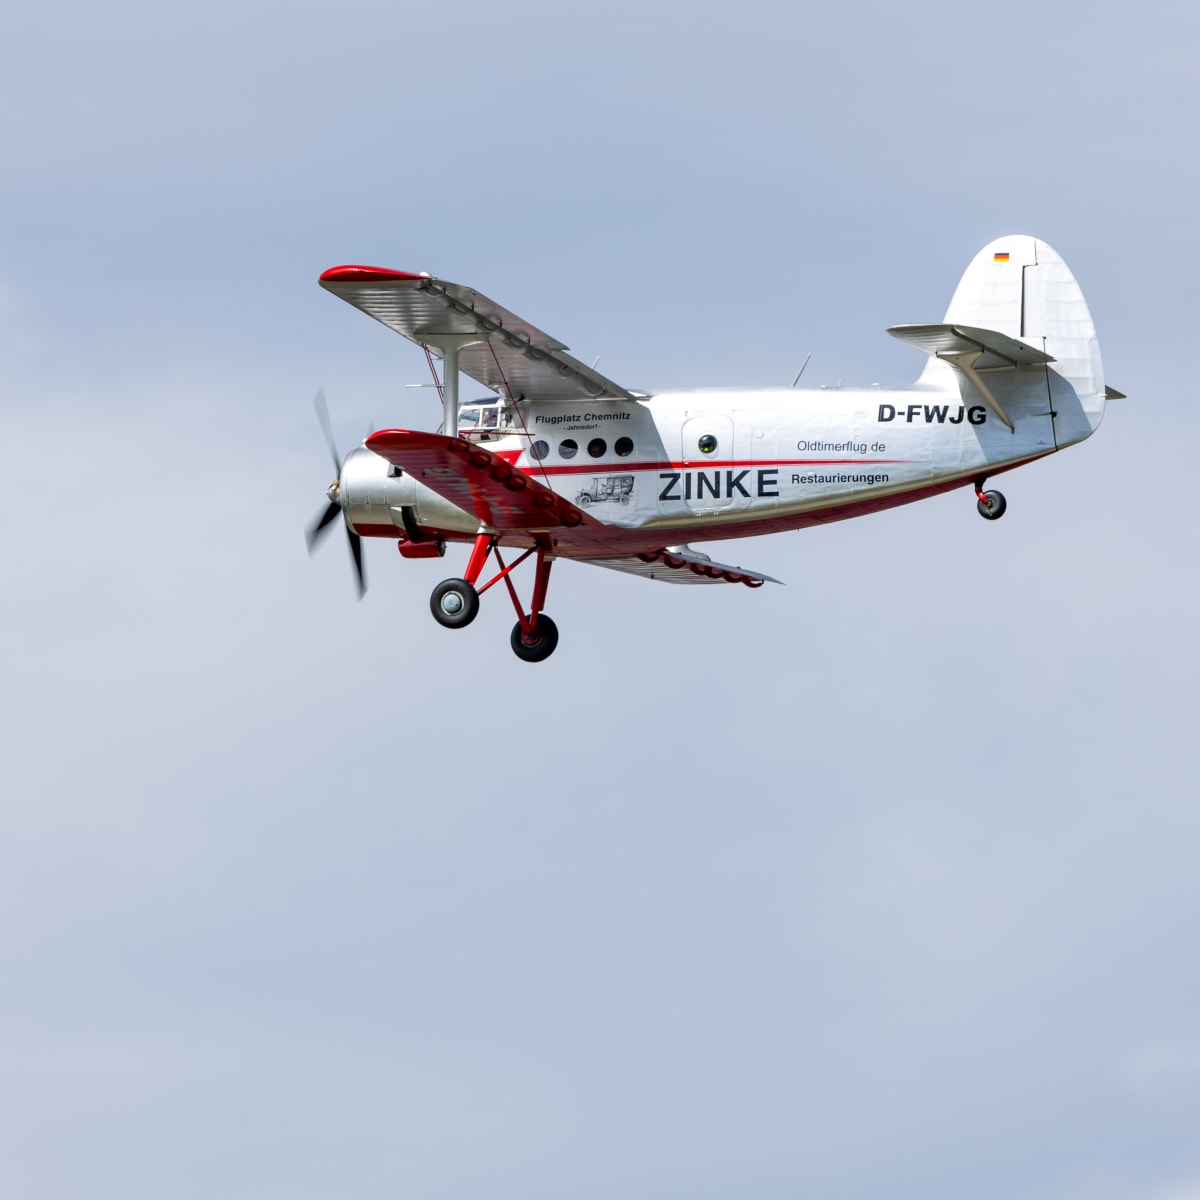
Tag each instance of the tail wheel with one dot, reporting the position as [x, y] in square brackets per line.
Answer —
[454, 603]
[538, 645]
[991, 505]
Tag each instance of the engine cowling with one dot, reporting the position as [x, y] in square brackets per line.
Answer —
[380, 500]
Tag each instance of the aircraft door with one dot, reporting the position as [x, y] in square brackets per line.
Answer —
[712, 479]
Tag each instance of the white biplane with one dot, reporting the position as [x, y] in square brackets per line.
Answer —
[560, 462]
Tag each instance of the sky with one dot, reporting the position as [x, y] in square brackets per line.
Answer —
[879, 883]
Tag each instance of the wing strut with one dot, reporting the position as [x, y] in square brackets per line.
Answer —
[965, 362]
[450, 344]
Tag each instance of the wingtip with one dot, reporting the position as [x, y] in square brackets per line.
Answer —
[353, 273]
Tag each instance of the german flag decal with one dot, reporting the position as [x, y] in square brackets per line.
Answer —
[1002, 256]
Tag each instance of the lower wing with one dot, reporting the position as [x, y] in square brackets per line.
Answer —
[677, 564]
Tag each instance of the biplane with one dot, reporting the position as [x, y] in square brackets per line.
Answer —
[560, 462]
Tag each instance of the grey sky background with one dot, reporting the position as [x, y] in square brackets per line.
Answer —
[880, 883]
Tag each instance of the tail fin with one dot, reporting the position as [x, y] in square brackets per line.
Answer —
[1020, 286]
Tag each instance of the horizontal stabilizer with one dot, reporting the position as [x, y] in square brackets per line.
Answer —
[942, 341]
[500, 495]
[674, 564]
[970, 350]
[1111, 393]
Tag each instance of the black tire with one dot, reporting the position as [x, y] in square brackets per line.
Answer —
[454, 603]
[992, 505]
[541, 646]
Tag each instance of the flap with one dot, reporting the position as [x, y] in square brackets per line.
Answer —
[999, 350]
[511, 357]
[502, 496]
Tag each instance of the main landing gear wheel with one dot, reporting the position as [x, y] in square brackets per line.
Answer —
[991, 505]
[454, 603]
[536, 646]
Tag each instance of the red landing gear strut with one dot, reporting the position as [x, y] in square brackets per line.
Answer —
[991, 505]
[455, 602]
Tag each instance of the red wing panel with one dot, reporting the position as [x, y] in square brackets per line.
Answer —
[499, 494]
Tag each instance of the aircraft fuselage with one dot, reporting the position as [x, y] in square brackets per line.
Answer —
[731, 463]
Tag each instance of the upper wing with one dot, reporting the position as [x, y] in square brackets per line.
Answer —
[476, 480]
[675, 564]
[511, 356]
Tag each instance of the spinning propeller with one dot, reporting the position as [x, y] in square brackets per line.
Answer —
[316, 531]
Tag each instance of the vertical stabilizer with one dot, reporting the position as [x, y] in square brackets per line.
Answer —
[1021, 287]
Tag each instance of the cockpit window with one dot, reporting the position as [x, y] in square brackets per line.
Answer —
[478, 416]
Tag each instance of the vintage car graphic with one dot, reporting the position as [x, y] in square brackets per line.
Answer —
[607, 490]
